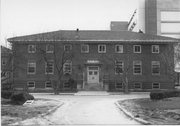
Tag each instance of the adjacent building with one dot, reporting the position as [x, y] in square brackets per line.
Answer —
[158, 17]
[95, 59]
[6, 65]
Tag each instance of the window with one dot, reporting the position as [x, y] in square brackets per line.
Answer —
[119, 85]
[67, 67]
[49, 67]
[137, 48]
[31, 84]
[119, 48]
[137, 67]
[84, 48]
[137, 86]
[48, 84]
[31, 67]
[155, 65]
[155, 48]
[31, 48]
[49, 48]
[155, 86]
[119, 67]
[66, 85]
[67, 48]
[101, 48]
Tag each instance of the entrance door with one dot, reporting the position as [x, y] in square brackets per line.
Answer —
[93, 74]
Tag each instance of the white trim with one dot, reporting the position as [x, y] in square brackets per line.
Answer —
[157, 63]
[155, 47]
[120, 83]
[99, 48]
[68, 45]
[50, 51]
[33, 46]
[87, 48]
[46, 85]
[156, 83]
[138, 83]
[69, 62]
[50, 61]
[119, 46]
[140, 67]
[137, 46]
[31, 87]
[31, 62]
[122, 67]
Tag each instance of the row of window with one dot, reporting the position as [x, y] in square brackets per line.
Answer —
[137, 67]
[119, 85]
[49, 67]
[48, 84]
[119, 67]
[31, 84]
[85, 48]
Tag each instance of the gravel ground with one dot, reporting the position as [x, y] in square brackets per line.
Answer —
[16, 113]
[159, 112]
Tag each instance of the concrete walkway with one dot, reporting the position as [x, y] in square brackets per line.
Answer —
[86, 110]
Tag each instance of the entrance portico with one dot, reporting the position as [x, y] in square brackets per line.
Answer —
[92, 73]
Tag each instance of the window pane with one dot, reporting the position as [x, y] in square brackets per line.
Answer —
[84, 48]
[67, 67]
[31, 67]
[119, 48]
[155, 67]
[49, 67]
[119, 85]
[49, 48]
[137, 85]
[137, 49]
[119, 66]
[137, 67]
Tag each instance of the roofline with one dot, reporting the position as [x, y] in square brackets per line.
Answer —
[175, 41]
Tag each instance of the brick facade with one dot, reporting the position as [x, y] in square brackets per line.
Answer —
[105, 62]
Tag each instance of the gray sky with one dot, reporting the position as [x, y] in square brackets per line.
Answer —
[22, 17]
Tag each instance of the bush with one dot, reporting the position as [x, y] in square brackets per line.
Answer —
[20, 98]
[157, 95]
[6, 94]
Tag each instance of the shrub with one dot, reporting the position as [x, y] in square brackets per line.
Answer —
[20, 98]
[6, 94]
[157, 95]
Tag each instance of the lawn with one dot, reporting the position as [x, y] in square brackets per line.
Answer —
[166, 111]
[15, 113]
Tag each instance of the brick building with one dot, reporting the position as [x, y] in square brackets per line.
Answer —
[6, 65]
[97, 60]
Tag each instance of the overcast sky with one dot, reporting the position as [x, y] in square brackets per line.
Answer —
[22, 17]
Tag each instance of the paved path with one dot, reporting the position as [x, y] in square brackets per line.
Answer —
[88, 110]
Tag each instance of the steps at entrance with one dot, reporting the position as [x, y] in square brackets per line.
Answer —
[92, 93]
[93, 87]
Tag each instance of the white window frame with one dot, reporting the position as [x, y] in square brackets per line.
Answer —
[31, 82]
[104, 51]
[120, 46]
[34, 65]
[134, 67]
[50, 61]
[116, 85]
[154, 46]
[68, 62]
[137, 83]
[33, 46]
[49, 51]
[134, 47]
[46, 85]
[155, 63]
[87, 51]
[69, 46]
[118, 64]
[156, 83]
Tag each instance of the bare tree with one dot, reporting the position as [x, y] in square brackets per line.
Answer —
[59, 56]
